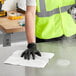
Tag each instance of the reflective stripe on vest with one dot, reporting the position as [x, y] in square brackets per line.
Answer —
[44, 13]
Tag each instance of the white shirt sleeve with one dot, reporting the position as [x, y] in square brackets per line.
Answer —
[30, 2]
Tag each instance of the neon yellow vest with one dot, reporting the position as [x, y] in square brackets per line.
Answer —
[52, 19]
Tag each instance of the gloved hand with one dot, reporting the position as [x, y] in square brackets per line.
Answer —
[31, 50]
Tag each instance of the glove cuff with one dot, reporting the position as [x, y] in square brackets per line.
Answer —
[31, 45]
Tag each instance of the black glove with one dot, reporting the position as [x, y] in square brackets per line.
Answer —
[32, 50]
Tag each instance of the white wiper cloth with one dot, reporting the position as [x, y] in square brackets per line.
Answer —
[39, 62]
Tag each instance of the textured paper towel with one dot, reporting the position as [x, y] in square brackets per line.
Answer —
[39, 62]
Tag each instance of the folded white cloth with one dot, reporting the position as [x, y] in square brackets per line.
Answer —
[39, 62]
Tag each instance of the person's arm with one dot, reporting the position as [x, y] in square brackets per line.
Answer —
[30, 31]
[30, 23]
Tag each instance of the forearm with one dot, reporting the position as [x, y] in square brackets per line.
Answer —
[30, 26]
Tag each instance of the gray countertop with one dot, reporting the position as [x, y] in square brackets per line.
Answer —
[62, 64]
[64, 61]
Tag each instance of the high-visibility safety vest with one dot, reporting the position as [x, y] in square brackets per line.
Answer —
[53, 20]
